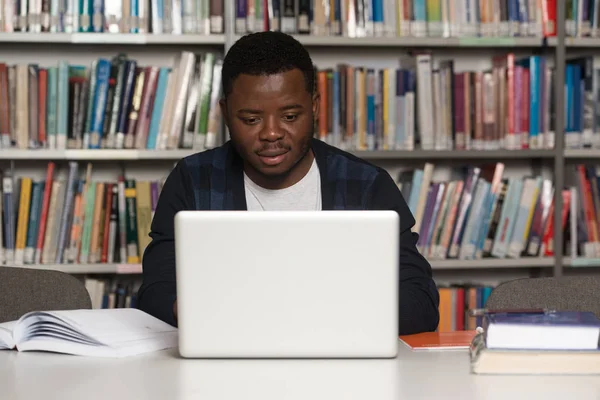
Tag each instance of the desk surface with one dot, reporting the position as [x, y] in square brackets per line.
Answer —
[163, 375]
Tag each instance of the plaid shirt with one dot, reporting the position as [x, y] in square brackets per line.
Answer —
[213, 180]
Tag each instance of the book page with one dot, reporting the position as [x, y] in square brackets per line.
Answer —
[112, 326]
[6, 336]
[162, 341]
[104, 332]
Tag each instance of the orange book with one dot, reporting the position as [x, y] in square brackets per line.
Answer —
[445, 309]
[458, 340]
[42, 93]
[322, 120]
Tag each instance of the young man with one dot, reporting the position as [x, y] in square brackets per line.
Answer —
[272, 162]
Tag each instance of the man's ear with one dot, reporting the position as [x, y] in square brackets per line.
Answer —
[223, 105]
[315, 105]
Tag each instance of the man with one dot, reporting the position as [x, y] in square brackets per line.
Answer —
[272, 162]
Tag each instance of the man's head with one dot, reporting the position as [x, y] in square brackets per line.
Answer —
[269, 104]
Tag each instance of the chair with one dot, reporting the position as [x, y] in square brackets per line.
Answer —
[569, 293]
[24, 289]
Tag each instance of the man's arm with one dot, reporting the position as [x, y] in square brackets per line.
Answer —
[419, 297]
[158, 293]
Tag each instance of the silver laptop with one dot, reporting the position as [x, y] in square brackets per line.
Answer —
[321, 284]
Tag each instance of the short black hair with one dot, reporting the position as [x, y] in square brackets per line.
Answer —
[266, 53]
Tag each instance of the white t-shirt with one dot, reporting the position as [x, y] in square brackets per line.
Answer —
[303, 196]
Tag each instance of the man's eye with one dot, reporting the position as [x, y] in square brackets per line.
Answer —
[250, 121]
[290, 118]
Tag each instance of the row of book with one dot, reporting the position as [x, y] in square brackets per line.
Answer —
[427, 104]
[455, 303]
[402, 18]
[113, 292]
[480, 213]
[581, 212]
[112, 104]
[75, 220]
[114, 16]
[582, 18]
[424, 103]
[582, 105]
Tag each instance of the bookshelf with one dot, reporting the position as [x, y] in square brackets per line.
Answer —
[471, 52]
[112, 38]
[128, 154]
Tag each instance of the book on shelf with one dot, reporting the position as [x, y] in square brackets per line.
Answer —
[582, 109]
[581, 213]
[76, 220]
[400, 18]
[455, 302]
[582, 18]
[203, 17]
[479, 213]
[112, 333]
[112, 292]
[115, 103]
[428, 104]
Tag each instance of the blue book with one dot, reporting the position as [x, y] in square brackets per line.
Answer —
[99, 104]
[542, 330]
[371, 109]
[161, 88]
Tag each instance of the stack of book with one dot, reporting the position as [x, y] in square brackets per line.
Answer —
[537, 342]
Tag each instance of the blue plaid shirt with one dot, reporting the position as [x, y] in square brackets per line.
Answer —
[213, 180]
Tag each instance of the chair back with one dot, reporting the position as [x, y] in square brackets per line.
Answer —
[568, 293]
[23, 290]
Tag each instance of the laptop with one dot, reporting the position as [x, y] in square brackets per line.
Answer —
[253, 284]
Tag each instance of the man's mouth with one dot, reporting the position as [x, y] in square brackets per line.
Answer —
[272, 157]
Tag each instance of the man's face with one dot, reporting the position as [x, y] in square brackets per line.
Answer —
[270, 121]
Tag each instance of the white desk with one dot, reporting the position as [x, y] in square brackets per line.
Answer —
[163, 375]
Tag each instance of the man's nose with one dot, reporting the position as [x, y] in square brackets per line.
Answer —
[271, 130]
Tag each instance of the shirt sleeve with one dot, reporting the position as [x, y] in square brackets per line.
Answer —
[419, 296]
[158, 291]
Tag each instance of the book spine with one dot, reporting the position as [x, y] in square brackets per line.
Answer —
[65, 221]
[132, 231]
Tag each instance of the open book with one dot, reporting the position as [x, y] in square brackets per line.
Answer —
[119, 332]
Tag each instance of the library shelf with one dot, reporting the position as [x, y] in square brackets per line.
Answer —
[110, 268]
[95, 155]
[487, 263]
[582, 153]
[581, 262]
[492, 263]
[408, 41]
[400, 155]
[582, 42]
[112, 38]
[453, 154]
